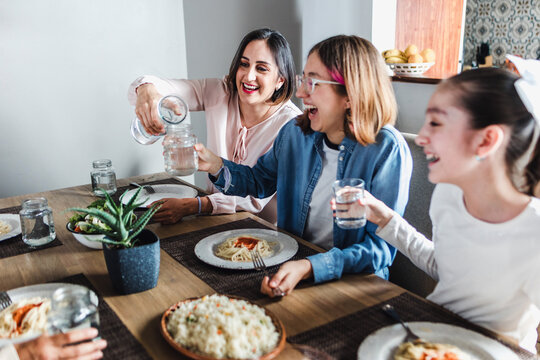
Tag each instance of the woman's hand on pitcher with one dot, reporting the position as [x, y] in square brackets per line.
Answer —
[146, 109]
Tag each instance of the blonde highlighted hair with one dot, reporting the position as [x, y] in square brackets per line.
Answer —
[357, 64]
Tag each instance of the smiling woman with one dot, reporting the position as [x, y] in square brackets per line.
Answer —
[244, 112]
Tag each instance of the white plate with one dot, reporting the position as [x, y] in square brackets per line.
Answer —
[40, 290]
[284, 250]
[14, 221]
[162, 191]
[382, 344]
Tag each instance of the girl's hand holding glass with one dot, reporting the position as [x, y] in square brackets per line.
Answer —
[375, 210]
[208, 161]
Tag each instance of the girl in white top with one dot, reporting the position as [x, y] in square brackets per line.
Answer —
[244, 112]
[481, 141]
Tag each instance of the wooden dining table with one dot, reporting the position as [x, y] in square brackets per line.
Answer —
[306, 308]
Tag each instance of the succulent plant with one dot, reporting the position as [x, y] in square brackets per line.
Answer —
[124, 224]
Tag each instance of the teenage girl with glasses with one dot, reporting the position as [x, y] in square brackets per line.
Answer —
[481, 141]
[345, 132]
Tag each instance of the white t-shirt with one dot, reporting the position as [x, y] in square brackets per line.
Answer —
[487, 273]
[319, 223]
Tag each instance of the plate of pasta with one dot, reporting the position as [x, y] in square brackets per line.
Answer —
[27, 317]
[10, 226]
[444, 341]
[222, 327]
[232, 249]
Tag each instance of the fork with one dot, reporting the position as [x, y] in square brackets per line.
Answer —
[259, 265]
[411, 336]
[147, 188]
[5, 300]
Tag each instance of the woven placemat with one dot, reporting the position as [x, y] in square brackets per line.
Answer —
[244, 283]
[342, 337]
[15, 245]
[121, 344]
[172, 181]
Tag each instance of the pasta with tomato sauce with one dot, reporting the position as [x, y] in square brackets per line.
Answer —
[23, 317]
[238, 248]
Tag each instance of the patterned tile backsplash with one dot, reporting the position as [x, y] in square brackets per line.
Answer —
[508, 26]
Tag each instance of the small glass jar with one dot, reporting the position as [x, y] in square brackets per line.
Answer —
[72, 308]
[103, 176]
[172, 110]
[37, 225]
[179, 153]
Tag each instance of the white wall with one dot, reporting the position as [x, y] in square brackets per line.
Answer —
[412, 102]
[65, 66]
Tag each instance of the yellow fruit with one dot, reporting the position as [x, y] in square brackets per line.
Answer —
[411, 50]
[392, 52]
[395, 60]
[416, 58]
[428, 55]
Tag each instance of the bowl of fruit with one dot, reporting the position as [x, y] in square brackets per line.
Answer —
[410, 62]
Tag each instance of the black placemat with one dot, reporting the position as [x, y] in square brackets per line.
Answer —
[15, 245]
[121, 344]
[244, 283]
[172, 181]
[342, 337]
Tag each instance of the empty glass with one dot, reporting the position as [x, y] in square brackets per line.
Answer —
[179, 153]
[72, 308]
[172, 110]
[37, 225]
[350, 214]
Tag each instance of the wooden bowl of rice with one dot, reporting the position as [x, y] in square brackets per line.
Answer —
[193, 353]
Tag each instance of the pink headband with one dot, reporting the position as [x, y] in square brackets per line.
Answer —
[336, 76]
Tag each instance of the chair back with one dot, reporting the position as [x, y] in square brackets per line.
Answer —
[403, 272]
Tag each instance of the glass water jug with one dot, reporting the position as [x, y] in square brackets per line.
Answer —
[172, 110]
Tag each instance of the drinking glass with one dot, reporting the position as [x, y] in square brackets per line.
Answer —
[37, 225]
[72, 308]
[350, 214]
[179, 154]
[103, 176]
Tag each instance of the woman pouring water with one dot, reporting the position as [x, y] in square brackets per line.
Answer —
[244, 112]
[345, 132]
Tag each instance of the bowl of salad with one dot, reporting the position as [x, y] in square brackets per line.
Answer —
[79, 226]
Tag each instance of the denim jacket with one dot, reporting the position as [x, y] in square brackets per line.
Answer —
[292, 168]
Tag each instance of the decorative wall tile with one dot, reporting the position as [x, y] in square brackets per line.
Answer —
[508, 26]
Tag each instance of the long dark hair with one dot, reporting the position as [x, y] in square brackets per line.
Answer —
[279, 47]
[490, 98]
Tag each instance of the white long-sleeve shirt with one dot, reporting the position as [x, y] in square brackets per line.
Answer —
[226, 136]
[487, 273]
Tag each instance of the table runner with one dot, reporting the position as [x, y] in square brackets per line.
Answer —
[171, 180]
[15, 245]
[244, 283]
[121, 343]
[342, 337]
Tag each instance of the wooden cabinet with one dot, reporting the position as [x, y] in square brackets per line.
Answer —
[436, 24]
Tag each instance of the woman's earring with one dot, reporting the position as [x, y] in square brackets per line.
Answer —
[479, 158]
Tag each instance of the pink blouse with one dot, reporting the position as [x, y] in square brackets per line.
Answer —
[226, 136]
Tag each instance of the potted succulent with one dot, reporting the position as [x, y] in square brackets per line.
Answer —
[131, 251]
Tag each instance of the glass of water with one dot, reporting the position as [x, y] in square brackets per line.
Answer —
[37, 225]
[72, 308]
[103, 176]
[350, 214]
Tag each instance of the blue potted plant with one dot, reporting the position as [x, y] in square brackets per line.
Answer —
[131, 251]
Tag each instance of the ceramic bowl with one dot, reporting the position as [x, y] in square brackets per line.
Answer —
[85, 239]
